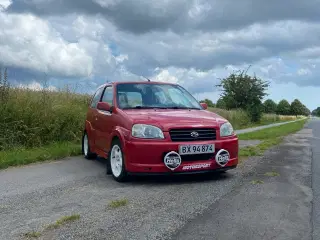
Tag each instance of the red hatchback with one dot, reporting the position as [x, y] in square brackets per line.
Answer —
[156, 128]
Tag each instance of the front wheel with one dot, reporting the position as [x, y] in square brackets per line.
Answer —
[117, 162]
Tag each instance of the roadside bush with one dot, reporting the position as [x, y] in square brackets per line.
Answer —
[35, 118]
[240, 119]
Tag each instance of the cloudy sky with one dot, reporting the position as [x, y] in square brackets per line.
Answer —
[84, 43]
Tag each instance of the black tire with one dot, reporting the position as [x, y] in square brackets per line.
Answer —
[108, 165]
[87, 154]
[123, 177]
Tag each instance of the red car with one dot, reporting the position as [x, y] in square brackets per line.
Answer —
[156, 128]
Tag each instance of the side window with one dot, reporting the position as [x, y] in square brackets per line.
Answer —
[108, 95]
[96, 98]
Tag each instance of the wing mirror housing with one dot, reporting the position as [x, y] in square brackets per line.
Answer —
[103, 106]
[204, 105]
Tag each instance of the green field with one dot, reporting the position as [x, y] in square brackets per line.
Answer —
[41, 125]
[269, 137]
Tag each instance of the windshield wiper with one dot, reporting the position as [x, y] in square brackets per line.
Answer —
[149, 107]
[183, 108]
[145, 107]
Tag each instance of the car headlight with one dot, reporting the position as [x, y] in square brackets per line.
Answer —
[226, 129]
[146, 131]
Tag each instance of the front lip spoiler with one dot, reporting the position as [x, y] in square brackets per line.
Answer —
[180, 173]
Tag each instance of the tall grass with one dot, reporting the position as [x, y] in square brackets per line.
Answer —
[240, 119]
[37, 118]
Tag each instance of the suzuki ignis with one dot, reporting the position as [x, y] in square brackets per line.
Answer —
[156, 128]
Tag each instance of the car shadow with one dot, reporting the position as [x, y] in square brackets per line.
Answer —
[179, 179]
[172, 179]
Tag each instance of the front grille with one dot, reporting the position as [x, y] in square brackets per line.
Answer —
[184, 135]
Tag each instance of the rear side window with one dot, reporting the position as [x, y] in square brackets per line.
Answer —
[96, 98]
[108, 95]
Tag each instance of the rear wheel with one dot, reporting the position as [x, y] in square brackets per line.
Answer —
[116, 162]
[86, 148]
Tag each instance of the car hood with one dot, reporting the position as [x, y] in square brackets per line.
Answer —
[167, 119]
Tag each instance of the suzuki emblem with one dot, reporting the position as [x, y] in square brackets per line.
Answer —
[194, 134]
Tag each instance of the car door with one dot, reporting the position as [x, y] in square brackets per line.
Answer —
[105, 122]
[92, 114]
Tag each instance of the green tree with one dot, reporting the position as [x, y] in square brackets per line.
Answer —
[297, 108]
[306, 111]
[208, 102]
[270, 106]
[221, 103]
[316, 112]
[239, 90]
[283, 107]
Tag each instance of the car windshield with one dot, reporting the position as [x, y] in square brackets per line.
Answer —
[145, 95]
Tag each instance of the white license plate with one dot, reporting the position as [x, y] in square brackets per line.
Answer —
[196, 149]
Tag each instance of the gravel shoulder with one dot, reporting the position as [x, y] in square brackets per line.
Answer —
[273, 202]
[34, 196]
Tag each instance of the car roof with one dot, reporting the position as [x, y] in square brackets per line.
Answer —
[135, 82]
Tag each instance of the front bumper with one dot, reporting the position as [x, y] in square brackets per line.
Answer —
[143, 157]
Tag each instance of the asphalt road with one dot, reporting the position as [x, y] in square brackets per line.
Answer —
[315, 143]
[228, 206]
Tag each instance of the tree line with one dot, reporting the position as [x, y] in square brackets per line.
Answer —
[242, 91]
[316, 112]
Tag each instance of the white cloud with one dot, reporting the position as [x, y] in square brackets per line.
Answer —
[4, 4]
[35, 86]
[29, 42]
[165, 76]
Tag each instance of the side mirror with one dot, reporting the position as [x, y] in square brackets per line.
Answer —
[103, 106]
[204, 105]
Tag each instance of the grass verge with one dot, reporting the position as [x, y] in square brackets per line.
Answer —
[60, 222]
[270, 137]
[63, 220]
[118, 203]
[23, 156]
[32, 235]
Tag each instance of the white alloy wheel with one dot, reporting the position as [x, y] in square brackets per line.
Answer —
[86, 149]
[85, 145]
[116, 160]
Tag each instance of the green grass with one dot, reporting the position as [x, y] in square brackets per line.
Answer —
[22, 156]
[63, 220]
[118, 203]
[31, 119]
[240, 119]
[272, 174]
[273, 132]
[32, 235]
[257, 182]
[270, 136]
